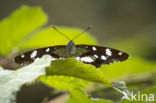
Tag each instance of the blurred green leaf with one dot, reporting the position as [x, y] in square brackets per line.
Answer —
[18, 25]
[133, 66]
[77, 96]
[63, 82]
[74, 68]
[11, 81]
[135, 46]
[49, 37]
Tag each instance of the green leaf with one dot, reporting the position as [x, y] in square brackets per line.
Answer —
[77, 96]
[132, 66]
[11, 81]
[136, 46]
[18, 25]
[52, 38]
[74, 68]
[63, 82]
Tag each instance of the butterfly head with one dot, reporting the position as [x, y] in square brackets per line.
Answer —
[70, 47]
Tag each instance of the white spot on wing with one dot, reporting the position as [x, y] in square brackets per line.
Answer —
[96, 56]
[47, 50]
[93, 48]
[37, 59]
[22, 56]
[108, 52]
[120, 53]
[78, 58]
[87, 59]
[34, 53]
[103, 57]
[61, 58]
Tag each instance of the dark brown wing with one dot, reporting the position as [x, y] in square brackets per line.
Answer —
[97, 55]
[30, 56]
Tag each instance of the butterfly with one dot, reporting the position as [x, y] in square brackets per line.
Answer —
[88, 54]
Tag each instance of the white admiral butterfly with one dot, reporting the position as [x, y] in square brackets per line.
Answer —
[88, 54]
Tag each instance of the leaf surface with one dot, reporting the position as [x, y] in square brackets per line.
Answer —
[77, 96]
[132, 66]
[72, 68]
[11, 81]
[15, 28]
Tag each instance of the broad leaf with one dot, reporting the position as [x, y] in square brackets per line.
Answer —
[133, 66]
[15, 28]
[62, 82]
[74, 68]
[77, 96]
[11, 81]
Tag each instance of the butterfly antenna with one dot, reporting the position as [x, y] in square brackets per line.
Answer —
[91, 26]
[59, 32]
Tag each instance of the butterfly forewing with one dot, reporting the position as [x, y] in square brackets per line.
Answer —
[31, 56]
[97, 55]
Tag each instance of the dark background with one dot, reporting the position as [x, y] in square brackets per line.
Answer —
[111, 18]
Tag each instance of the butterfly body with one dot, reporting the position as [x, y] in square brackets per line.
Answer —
[70, 49]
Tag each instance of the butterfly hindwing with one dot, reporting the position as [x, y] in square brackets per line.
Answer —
[29, 57]
[97, 55]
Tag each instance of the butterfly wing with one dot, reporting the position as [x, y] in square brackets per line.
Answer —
[89, 54]
[56, 52]
[97, 55]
